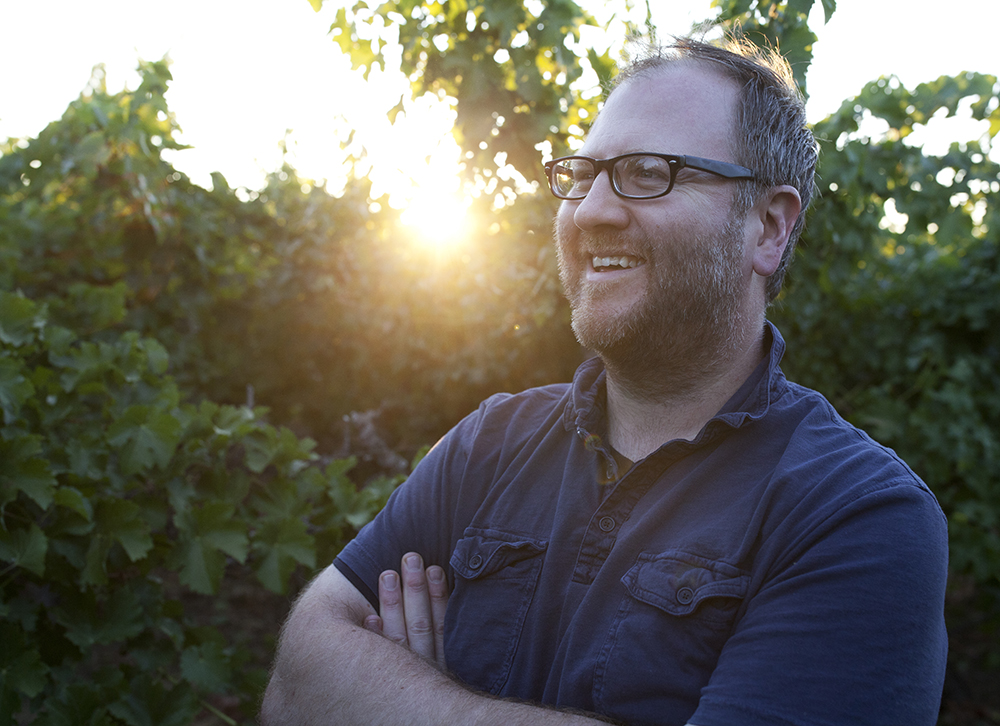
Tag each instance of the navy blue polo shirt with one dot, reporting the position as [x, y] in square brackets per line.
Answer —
[781, 568]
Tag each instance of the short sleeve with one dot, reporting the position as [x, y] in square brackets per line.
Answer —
[848, 630]
[420, 515]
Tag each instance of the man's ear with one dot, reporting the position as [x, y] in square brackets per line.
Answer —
[777, 211]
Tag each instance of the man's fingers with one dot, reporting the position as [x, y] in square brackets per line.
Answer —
[412, 606]
[417, 606]
[390, 607]
[437, 587]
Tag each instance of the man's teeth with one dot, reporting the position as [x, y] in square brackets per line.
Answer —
[623, 262]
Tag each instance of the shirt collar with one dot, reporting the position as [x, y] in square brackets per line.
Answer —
[585, 408]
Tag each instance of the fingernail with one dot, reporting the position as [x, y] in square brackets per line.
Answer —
[435, 574]
[389, 581]
[413, 563]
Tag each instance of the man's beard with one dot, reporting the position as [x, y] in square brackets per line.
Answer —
[689, 322]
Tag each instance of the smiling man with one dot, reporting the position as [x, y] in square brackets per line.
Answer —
[681, 535]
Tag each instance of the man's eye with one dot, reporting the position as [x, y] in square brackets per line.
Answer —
[640, 170]
[647, 177]
[579, 178]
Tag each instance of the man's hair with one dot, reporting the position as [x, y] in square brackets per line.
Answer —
[771, 136]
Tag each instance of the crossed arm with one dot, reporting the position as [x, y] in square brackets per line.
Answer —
[339, 662]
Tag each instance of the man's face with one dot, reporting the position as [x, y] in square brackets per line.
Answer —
[660, 274]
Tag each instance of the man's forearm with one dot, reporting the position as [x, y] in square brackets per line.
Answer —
[330, 670]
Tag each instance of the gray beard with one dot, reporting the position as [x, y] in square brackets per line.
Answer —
[690, 324]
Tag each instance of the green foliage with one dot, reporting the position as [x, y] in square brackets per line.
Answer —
[354, 314]
[894, 297]
[132, 302]
[779, 24]
[119, 504]
[320, 305]
[128, 501]
[510, 66]
[100, 228]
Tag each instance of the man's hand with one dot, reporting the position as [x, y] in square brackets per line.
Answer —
[413, 615]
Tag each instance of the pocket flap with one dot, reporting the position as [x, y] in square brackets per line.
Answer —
[678, 582]
[485, 552]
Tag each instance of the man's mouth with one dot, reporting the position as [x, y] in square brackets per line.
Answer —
[607, 264]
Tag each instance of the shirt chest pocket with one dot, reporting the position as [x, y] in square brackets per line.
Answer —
[676, 613]
[681, 585]
[496, 575]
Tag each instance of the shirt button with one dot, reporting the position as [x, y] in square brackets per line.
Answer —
[475, 562]
[685, 595]
[606, 524]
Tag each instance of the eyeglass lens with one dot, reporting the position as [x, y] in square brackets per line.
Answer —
[636, 175]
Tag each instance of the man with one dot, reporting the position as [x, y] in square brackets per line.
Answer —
[681, 535]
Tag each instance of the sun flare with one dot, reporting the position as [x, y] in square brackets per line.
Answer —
[438, 219]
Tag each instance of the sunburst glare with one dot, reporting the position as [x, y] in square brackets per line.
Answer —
[439, 219]
[425, 186]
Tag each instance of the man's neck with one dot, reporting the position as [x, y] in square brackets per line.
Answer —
[642, 416]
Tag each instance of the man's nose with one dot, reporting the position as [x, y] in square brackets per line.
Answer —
[601, 207]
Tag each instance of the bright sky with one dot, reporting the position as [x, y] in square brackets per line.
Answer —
[247, 71]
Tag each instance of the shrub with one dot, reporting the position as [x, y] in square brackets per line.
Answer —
[120, 507]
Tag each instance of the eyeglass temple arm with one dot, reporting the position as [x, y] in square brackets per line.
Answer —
[720, 168]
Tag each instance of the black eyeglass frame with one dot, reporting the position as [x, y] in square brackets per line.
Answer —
[675, 162]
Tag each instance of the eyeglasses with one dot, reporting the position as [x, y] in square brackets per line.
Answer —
[633, 176]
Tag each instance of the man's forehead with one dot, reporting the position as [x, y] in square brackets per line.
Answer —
[687, 105]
